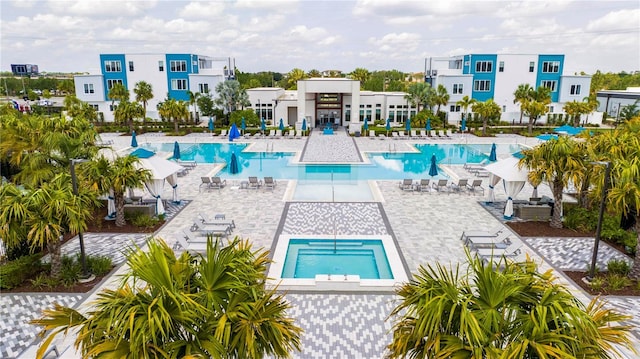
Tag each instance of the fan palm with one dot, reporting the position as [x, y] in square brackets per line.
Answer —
[465, 103]
[488, 110]
[515, 312]
[209, 306]
[127, 112]
[173, 110]
[536, 105]
[144, 93]
[441, 97]
[521, 96]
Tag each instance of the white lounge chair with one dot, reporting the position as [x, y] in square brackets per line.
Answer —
[206, 181]
[401, 135]
[269, 183]
[192, 247]
[218, 183]
[441, 134]
[449, 133]
[395, 135]
[423, 134]
[460, 186]
[492, 236]
[372, 134]
[254, 183]
[278, 133]
[489, 233]
[414, 135]
[423, 185]
[218, 220]
[489, 254]
[433, 134]
[272, 133]
[216, 230]
[441, 185]
[406, 184]
[476, 186]
[223, 133]
[499, 242]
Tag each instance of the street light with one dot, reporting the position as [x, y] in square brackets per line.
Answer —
[607, 172]
[85, 276]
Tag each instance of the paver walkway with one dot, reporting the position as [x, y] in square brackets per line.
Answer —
[338, 147]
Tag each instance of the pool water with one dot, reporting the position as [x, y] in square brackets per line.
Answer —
[307, 257]
[382, 166]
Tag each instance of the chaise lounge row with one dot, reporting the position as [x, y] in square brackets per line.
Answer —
[442, 185]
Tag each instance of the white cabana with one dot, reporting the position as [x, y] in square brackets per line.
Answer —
[161, 169]
[513, 179]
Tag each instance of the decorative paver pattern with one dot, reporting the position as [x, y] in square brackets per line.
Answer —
[334, 218]
[574, 254]
[338, 147]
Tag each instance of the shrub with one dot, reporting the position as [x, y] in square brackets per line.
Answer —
[13, 273]
[99, 265]
[43, 280]
[617, 281]
[143, 220]
[70, 272]
[618, 266]
[581, 219]
[597, 284]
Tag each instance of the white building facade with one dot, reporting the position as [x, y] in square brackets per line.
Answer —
[169, 75]
[497, 76]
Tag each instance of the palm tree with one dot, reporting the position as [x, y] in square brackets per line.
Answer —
[174, 110]
[144, 93]
[419, 94]
[536, 105]
[521, 96]
[193, 101]
[558, 162]
[206, 306]
[118, 93]
[514, 312]
[41, 216]
[442, 97]
[120, 174]
[314, 73]
[127, 112]
[465, 103]
[293, 77]
[488, 110]
[360, 74]
[231, 96]
[576, 109]
[622, 148]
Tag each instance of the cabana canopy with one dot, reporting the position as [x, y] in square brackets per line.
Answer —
[161, 169]
[513, 179]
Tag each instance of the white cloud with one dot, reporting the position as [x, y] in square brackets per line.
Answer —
[199, 10]
[615, 20]
[94, 8]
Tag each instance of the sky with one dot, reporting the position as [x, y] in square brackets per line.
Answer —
[270, 35]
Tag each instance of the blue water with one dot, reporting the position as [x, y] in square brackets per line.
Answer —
[384, 166]
[308, 257]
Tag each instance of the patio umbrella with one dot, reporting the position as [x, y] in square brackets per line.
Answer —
[388, 127]
[433, 170]
[304, 124]
[263, 125]
[176, 151]
[366, 124]
[492, 155]
[211, 124]
[281, 126]
[547, 136]
[243, 125]
[463, 125]
[233, 132]
[407, 125]
[233, 165]
[134, 141]
[428, 126]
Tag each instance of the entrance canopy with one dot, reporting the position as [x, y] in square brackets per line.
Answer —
[513, 178]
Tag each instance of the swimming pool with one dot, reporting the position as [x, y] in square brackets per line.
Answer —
[381, 166]
[307, 258]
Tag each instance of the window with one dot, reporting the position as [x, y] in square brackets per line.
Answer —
[110, 83]
[504, 108]
[178, 84]
[112, 66]
[454, 108]
[161, 66]
[551, 85]
[575, 89]
[204, 88]
[88, 88]
[131, 66]
[482, 85]
[551, 66]
[112, 107]
[501, 66]
[532, 66]
[95, 107]
[378, 114]
[484, 66]
[457, 89]
[178, 66]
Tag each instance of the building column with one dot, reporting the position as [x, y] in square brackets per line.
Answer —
[355, 124]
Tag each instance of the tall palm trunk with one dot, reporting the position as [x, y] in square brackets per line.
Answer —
[530, 125]
[521, 115]
[175, 125]
[635, 270]
[556, 219]
[54, 248]
[118, 198]
[583, 196]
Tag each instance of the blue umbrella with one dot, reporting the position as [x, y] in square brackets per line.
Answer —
[243, 125]
[428, 126]
[433, 170]
[463, 125]
[407, 125]
[210, 124]
[547, 136]
[134, 142]
[304, 124]
[565, 129]
[388, 127]
[263, 125]
[366, 124]
[281, 125]
[176, 151]
[233, 165]
[234, 132]
[492, 155]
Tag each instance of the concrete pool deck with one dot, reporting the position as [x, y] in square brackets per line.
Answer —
[427, 227]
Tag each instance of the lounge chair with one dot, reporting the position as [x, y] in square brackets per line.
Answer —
[222, 230]
[223, 133]
[460, 186]
[382, 136]
[254, 182]
[406, 184]
[192, 247]
[491, 233]
[395, 135]
[372, 134]
[189, 165]
[440, 185]
[219, 220]
[423, 185]
[441, 134]
[433, 134]
[476, 185]
[511, 251]
[414, 135]
[218, 183]
[423, 134]
[272, 133]
[500, 241]
[278, 134]
[449, 133]
[298, 134]
[401, 135]
[269, 182]
[206, 181]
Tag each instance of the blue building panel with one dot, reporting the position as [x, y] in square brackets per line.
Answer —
[483, 67]
[113, 68]
[550, 68]
[179, 74]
